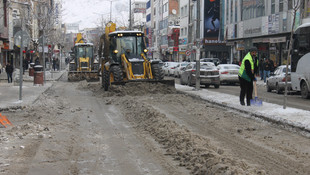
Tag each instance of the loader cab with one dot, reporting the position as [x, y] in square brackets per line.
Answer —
[130, 43]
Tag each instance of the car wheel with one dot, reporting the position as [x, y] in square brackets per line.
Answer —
[216, 86]
[268, 87]
[278, 90]
[207, 85]
[304, 90]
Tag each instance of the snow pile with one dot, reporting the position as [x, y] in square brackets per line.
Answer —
[130, 89]
[194, 152]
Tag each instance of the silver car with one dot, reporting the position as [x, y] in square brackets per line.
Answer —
[229, 73]
[209, 75]
[276, 81]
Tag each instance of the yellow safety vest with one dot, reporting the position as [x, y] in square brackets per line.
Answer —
[242, 72]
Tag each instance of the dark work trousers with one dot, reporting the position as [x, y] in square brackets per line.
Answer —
[246, 90]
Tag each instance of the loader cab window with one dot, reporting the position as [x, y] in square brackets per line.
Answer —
[85, 52]
[130, 45]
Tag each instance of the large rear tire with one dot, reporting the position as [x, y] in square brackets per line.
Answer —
[157, 72]
[116, 74]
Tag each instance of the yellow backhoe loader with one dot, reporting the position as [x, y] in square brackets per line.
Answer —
[124, 59]
[83, 66]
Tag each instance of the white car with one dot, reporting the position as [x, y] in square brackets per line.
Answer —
[168, 67]
[180, 69]
[228, 73]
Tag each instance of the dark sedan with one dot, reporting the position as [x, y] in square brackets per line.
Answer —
[209, 75]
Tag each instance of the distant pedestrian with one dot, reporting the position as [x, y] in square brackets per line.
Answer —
[266, 67]
[247, 76]
[9, 72]
[235, 62]
[37, 61]
[261, 68]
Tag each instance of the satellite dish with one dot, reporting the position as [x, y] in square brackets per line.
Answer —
[174, 11]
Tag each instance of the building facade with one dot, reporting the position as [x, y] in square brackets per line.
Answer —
[265, 24]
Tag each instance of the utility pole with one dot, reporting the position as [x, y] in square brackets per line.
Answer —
[21, 70]
[130, 25]
[197, 43]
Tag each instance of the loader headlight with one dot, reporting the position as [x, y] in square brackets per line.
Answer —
[145, 50]
[115, 51]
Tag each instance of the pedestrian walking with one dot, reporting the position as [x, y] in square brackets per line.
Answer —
[235, 62]
[9, 72]
[261, 68]
[266, 68]
[247, 76]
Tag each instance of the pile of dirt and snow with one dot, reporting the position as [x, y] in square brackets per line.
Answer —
[191, 150]
[131, 89]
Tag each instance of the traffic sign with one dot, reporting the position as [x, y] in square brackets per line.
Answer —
[18, 37]
[188, 53]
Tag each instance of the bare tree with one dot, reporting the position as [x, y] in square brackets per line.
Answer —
[296, 6]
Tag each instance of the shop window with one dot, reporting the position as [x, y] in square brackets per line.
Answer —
[290, 4]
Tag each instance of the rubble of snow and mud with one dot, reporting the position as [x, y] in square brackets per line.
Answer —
[199, 136]
[192, 151]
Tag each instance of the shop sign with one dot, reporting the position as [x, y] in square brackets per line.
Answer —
[272, 48]
[230, 43]
[278, 40]
[182, 53]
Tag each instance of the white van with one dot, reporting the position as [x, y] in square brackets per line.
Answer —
[301, 78]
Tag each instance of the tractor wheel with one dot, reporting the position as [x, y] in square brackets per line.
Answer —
[157, 72]
[105, 79]
[304, 90]
[116, 74]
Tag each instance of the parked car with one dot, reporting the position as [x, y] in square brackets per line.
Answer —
[180, 69]
[216, 61]
[169, 67]
[228, 73]
[276, 81]
[209, 75]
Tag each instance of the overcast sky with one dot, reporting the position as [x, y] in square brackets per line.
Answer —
[89, 12]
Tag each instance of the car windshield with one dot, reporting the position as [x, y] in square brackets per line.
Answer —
[284, 70]
[184, 64]
[205, 66]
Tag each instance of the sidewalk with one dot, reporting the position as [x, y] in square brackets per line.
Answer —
[9, 92]
[293, 117]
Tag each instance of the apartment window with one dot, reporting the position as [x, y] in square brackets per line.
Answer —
[280, 5]
[185, 10]
[148, 17]
[273, 7]
[182, 32]
[227, 11]
[5, 14]
[154, 11]
[307, 8]
[182, 11]
[236, 11]
[231, 12]
[290, 4]
[185, 32]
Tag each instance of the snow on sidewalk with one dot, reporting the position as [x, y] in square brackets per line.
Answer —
[294, 117]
